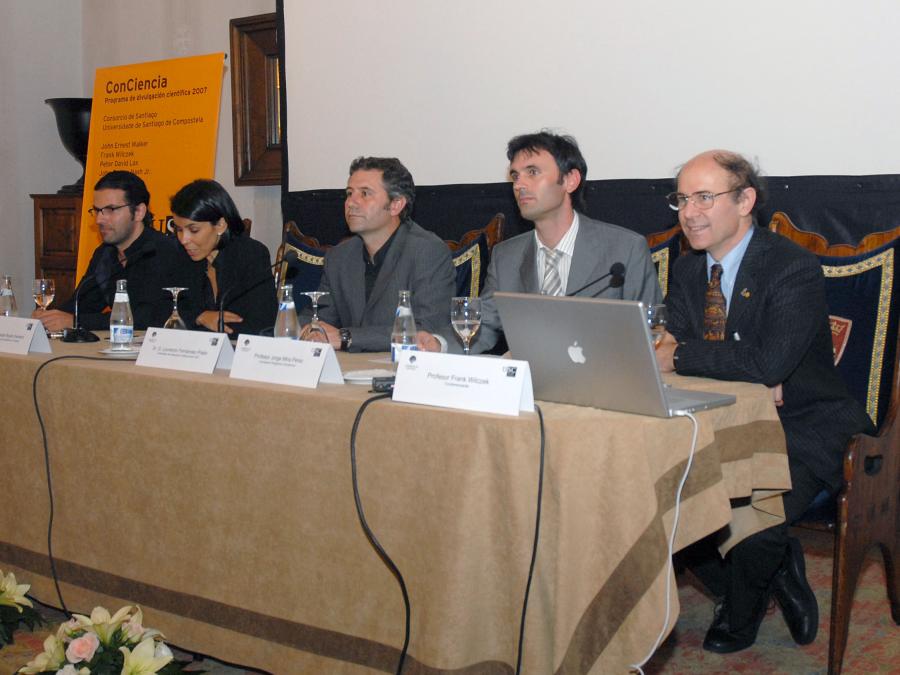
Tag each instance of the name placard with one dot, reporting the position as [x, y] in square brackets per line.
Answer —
[479, 383]
[187, 350]
[282, 361]
[23, 336]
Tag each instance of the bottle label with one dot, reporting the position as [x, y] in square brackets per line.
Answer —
[6, 291]
[121, 297]
[121, 334]
[397, 347]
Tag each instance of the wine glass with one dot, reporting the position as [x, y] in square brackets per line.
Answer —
[44, 291]
[313, 327]
[657, 317]
[175, 321]
[465, 317]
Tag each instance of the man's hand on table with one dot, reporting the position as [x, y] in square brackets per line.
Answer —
[777, 395]
[427, 342]
[665, 352]
[334, 335]
[54, 319]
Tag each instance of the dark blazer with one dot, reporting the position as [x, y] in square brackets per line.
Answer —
[777, 332]
[417, 260]
[597, 246]
[154, 262]
[244, 274]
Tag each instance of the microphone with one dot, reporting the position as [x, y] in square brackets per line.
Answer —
[289, 257]
[76, 333]
[616, 271]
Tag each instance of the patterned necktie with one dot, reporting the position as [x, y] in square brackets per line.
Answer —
[714, 315]
[551, 285]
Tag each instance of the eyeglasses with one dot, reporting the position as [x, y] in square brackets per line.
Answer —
[703, 200]
[105, 210]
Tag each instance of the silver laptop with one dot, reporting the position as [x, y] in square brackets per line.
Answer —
[593, 352]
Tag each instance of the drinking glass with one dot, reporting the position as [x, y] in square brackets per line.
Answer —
[313, 327]
[657, 318]
[175, 321]
[465, 317]
[44, 291]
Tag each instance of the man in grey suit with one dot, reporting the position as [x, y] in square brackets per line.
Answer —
[390, 253]
[568, 253]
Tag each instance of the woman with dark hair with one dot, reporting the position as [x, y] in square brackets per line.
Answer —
[230, 265]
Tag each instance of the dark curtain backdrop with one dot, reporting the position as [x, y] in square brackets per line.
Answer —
[841, 208]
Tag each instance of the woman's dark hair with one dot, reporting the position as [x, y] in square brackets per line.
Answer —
[207, 201]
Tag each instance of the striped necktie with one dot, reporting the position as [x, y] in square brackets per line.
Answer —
[714, 314]
[551, 285]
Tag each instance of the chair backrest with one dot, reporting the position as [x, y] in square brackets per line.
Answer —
[306, 270]
[472, 253]
[665, 247]
[862, 289]
[248, 226]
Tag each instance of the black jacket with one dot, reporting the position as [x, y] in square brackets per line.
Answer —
[154, 261]
[244, 277]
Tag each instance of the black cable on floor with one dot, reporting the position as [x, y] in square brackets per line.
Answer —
[371, 535]
[37, 410]
[534, 548]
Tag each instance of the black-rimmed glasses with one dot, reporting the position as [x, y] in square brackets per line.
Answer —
[105, 210]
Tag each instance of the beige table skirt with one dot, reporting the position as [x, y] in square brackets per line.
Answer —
[225, 509]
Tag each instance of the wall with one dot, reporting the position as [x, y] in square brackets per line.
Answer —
[805, 85]
[51, 49]
[40, 58]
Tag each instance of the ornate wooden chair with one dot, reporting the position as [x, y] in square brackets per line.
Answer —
[472, 253]
[665, 247]
[862, 288]
[306, 270]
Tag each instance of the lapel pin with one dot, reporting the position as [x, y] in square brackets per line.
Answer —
[745, 293]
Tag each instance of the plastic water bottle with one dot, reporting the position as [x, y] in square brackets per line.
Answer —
[286, 324]
[7, 298]
[121, 322]
[403, 335]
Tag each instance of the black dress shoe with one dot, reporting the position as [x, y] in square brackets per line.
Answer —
[796, 598]
[721, 638]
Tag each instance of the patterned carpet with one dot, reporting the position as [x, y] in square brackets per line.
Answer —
[873, 645]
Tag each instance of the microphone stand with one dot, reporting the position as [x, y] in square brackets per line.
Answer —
[616, 271]
[78, 333]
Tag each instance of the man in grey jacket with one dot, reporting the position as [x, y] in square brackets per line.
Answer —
[364, 274]
[567, 253]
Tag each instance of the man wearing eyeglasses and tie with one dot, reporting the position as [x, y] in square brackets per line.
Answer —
[568, 253]
[749, 305]
[133, 250]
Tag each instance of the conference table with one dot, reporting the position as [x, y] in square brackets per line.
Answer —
[224, 508]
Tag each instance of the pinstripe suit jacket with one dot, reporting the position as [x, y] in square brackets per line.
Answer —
[777, 332]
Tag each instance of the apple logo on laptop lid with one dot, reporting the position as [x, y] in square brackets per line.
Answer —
[576, 353]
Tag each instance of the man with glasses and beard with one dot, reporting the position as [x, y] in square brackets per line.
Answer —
[131, 250]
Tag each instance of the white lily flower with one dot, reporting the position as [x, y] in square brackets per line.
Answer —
[143, 660]
[13, 594]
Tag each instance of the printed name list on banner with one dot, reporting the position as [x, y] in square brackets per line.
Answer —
[158, 120]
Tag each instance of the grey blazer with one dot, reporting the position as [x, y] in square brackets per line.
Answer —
[418, 261]
[513, 268]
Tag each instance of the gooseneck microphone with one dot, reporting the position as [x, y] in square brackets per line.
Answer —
[289, 257]
[616, 271]
[77, 333]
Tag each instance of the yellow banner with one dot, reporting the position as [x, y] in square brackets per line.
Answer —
[158, 120]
